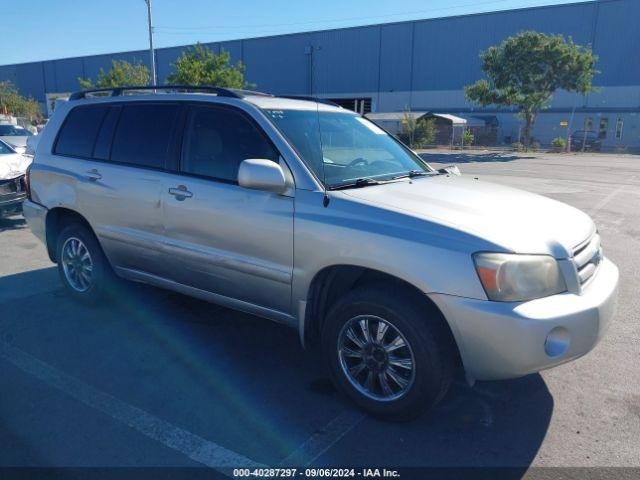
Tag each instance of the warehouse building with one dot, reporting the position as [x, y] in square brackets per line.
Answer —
[420, 65]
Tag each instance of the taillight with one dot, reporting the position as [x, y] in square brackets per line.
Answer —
[27, 182]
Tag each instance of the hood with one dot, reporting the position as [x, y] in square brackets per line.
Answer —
[15, 141]
[13, 165]
[519, 221]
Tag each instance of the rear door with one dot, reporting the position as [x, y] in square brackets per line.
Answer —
[120, 176]
[223, 238]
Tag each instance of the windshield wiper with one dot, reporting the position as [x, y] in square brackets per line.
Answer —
[411, 174]
[358, 183]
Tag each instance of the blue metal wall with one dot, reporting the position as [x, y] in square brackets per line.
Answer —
[395, 59]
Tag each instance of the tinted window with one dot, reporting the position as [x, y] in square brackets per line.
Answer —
[143, 134]
[79, 131]
[103, 142]
[217, 140]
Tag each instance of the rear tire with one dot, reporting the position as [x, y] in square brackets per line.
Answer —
[82, 266]
[404, 368]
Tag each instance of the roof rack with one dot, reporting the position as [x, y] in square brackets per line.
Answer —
[118, 91]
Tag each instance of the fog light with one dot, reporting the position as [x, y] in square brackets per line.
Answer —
[557, 342]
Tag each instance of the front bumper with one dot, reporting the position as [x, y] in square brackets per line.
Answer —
[507, 340]
[12, 194]
[11, 204]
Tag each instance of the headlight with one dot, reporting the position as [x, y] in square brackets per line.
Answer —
[516, 278]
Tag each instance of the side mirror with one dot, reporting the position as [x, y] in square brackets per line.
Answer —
[450, 169]
[261, 174]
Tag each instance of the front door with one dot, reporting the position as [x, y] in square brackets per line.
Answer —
[220, 237]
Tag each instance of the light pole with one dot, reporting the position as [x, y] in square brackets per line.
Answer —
[154, 80]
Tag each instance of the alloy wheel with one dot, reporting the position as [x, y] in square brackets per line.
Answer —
[376, 358]
[77, 264]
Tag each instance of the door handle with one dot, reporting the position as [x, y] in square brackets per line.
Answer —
[93, 175]
[180, 192]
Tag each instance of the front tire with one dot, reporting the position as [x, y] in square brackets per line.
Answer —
[82, 266]
[388, 351]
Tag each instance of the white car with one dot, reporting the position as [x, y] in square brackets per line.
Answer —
[16, 136]
[13, 167]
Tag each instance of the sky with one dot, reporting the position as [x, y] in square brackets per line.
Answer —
[45, 29]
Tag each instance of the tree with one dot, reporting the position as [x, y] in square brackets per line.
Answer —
[198, 65]
[467, 137]
[527, 68]
[122, 74]
[15, 104]
[417, 133]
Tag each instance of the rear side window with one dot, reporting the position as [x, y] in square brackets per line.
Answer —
[144, 133]
[78, 133]
[217, 140]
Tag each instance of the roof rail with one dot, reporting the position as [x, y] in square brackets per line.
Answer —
[118, 91]
[245, 93]
[311, 99]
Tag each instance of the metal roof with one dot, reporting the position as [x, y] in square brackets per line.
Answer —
[456, 121]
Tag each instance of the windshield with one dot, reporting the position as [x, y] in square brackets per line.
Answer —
[5, 149]
[342, 148]
[14, 131]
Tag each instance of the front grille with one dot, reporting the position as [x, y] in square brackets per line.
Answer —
[7, 187]
[15, 185]
[587, 257]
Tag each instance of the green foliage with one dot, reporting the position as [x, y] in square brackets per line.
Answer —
[558, 143]
[418, 134]
[122, 74]
[18, 105]
[198, 65]
[527, 68]
[468, 137]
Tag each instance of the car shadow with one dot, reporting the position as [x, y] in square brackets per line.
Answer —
[12, 223]
[248, 384]
[461, 157]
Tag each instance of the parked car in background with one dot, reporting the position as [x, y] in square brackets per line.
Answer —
[15, 135]
[585, 140]
[310, 215]
[13, 167]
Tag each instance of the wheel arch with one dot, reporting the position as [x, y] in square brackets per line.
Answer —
[332, 282]
[57, 218]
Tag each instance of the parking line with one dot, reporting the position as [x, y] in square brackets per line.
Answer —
[602, 203]
[195, 447]
[323, 440]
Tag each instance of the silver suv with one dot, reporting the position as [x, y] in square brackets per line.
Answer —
[304, 213]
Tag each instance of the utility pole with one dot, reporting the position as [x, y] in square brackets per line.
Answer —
[154, 80]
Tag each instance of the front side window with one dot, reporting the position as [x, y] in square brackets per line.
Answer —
[341, 148]
[217, 140]
[143, 134]
[79, 131]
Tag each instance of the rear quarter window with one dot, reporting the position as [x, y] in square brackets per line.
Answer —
[79, 131]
